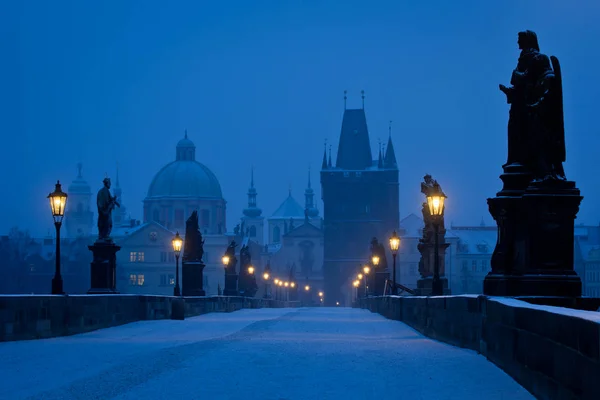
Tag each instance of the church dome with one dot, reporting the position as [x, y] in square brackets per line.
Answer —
[185, 177]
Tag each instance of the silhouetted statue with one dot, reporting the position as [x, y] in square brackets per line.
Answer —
[106, 203]
[536, 120]
[193, 249]
[236, 230]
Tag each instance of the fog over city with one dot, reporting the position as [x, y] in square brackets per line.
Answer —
[260, 84]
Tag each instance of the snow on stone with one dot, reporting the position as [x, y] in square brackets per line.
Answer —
[308, 353]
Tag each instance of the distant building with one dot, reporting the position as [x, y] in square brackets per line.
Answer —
[183, 186]
[79, 215]
[360, 197]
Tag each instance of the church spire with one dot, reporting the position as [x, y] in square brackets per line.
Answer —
[309, 203]
[324, 164]
[329, 162]
[390, 154]
[380, 157]
[252, 211]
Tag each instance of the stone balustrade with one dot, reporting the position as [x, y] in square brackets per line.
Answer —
[24, 317]
[554, 352]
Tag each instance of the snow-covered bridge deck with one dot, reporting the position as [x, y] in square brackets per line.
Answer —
[309, 353]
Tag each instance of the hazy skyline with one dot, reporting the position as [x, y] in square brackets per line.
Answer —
[261, 84]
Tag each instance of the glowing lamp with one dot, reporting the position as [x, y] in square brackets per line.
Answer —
[251, 270]
[366, 269]
[225, 260]
[58, 202]
[394, 243]
[177, 244]
[266, 276]
[435, 201]
[375, 260]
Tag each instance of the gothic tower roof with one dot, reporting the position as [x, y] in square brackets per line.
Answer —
[390, 155]
[252, 211]
[354, 150]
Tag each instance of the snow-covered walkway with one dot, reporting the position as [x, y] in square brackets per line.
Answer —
[309, 353]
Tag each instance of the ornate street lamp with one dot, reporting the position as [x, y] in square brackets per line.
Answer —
[177, 244]
[435, 201]
[394, 246]
[251, 270]
[366, 270]
[307, 288]
[266, 276]
[58, 202]
[375, 260]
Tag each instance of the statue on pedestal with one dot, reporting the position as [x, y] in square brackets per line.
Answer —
[106, 203]
[536, 132]
[194, 244]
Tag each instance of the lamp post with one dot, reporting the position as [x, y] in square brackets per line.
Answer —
[266, 277]
[394, 246]
[177, 243]
[356, 283]
[58, 202]
[435, 201]
[366, 270]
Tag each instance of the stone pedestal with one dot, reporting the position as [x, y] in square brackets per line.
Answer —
[424, 286]
[230, 285]
[178, 309]
[192, 278]
[534, 252]
[104, 268]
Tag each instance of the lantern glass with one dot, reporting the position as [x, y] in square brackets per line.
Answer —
[58, 202]
[307, 288]
[375, 260]
[266, 276]
[394, 242]
[251, 270]
[293, 284]
[366, 269]
[225, 260]
[436, 204]
[177, 244]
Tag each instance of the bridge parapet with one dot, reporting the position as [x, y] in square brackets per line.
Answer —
[24, 317]
[553, 352]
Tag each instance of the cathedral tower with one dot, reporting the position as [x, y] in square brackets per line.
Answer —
[79, 217]
[253, 221]
[360, 197]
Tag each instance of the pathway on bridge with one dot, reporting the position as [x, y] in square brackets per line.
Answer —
[309, 353]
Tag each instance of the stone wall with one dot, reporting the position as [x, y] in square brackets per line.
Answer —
[24, 317]
[553, 352]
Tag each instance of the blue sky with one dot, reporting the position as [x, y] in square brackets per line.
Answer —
[261, 83]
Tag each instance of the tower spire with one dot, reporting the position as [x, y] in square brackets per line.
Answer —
[185, 134]
[345, 98]
[362, 93]
[79, 168]
[309, 203]
[380, 158]
[252, 177]
[252, 211]
[390, 128]
[390, 155]
[324, 163]
[309, 186]
[329, 163]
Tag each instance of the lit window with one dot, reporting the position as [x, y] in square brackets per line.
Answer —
[132, 256]
[171, 280]
[132, 279]
[140, 256]
[140, 280]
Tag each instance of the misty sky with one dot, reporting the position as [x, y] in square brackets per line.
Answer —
[261, 83]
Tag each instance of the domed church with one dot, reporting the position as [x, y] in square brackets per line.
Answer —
[182, 186]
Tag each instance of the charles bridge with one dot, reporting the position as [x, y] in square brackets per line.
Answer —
[531, 321]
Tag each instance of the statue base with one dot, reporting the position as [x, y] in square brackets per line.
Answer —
[230, 285]
[534, 252]
[104, 267]
[516, 178]
[192, 278]
[425, 286]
